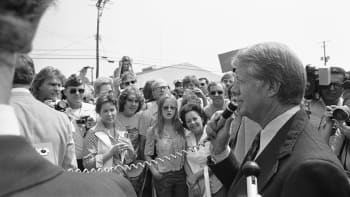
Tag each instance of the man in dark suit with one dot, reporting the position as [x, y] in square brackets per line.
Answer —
[293, 158]
[23, 171]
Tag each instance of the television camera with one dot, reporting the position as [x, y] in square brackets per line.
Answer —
[316, 78]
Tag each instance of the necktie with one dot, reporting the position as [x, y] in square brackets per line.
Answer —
[251, 154]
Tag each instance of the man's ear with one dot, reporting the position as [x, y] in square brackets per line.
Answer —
[273, 88]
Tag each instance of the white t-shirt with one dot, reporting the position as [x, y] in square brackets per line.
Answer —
[79, 132]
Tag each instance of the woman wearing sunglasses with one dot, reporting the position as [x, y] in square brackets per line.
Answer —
[164, 138]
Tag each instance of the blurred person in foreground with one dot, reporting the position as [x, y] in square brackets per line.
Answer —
[46, 128]
[23, 171]
[294, 160]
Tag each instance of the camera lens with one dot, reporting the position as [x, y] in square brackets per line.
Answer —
[340, 114]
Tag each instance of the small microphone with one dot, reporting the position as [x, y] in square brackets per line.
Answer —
[230, 108]
[251, 171]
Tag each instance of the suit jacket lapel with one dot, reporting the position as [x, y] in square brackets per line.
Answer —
[280, 146]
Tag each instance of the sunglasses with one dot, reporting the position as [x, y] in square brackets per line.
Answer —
[169, 107]
[216, 92]
[129, 82]
[74, 91]
[335, 85]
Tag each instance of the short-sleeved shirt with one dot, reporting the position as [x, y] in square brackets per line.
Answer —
[132, 126]
[86, 109]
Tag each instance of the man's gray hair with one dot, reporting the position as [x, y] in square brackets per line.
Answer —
[275, 63]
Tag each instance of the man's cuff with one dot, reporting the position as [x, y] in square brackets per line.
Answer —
[216, 158]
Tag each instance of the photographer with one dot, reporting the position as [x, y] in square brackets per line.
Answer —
[322, 96]
[82, 115]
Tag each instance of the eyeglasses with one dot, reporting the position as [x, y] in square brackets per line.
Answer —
[161, 88]
[216, 92]
[336, 85]
[74, 91]
[129, 82]
[169, 107]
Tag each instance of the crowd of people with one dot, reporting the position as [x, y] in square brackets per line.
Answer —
[66, 136]
[110, 123]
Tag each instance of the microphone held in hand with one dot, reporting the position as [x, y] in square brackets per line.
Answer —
[220, 122]
[231, 107]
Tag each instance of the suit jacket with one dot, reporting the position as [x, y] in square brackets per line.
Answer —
[41, 124]
[295, 163]
[25, 173]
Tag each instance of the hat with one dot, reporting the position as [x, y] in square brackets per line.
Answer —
[73, 80]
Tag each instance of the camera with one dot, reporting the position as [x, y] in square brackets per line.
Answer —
[321, 77]
[82, 120]
[341, 113]
[315, 79]
[61, 106]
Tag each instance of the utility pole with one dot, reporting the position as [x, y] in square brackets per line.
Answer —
[100, 5]
[325, 58]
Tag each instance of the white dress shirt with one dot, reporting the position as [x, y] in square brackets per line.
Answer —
[267, 133]
[274, 126]
[8, 120]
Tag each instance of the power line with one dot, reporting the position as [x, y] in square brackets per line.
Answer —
[68, 45]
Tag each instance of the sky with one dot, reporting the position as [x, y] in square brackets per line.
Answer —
[166, 32]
